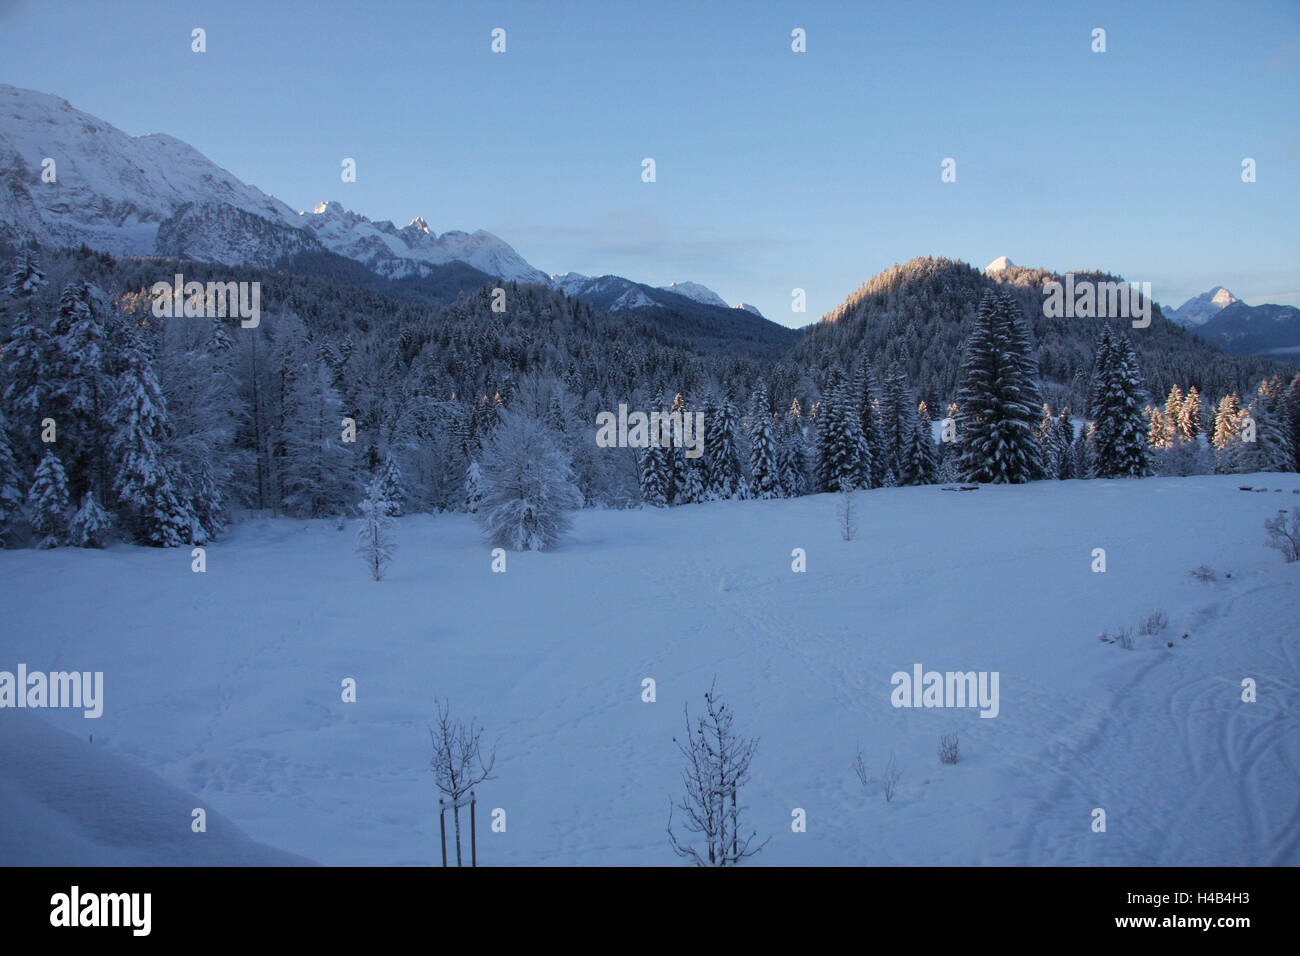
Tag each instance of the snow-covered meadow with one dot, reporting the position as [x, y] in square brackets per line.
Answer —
[227, 684]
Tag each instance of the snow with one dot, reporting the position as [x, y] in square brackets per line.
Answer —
[113, 191]
[999, 264]
[226, 684]
[69, 802]
[696, 293]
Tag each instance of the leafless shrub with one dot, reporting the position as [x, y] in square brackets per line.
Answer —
[949, 751]
[1204, 573]
[1153, 623]
[887, 782]
[1284, 535]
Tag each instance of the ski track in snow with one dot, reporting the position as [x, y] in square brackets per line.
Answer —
[227, 683]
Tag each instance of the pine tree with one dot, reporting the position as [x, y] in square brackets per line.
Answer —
[11, 482]
[1190, 415]
[722, 461]
[47, 502]
[998, 399]
[1067, 466]
[143, 481]
[793, 458]
[26, 277]
[1227, 438]
[392, 486]
[1120, 443]
[654, 468]
[869, 423]
[764, 465]
[375, 533]
[843, 457]
[897, 420]
[90, 525]
[923, 460]
[473, 487]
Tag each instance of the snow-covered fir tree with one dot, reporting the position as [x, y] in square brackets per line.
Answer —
[375, 543]
[722, 477]
[1066, 465]
[923, 456]
[91, 524]
[528, 487]
[998, 400]
[473, 487]
[843, 458]
[1227, 438]
[867, 405]
[764, 463]
[392, 486]
[654, 474]
[47, 503]
[1115, 403]
[143, 480]
[11, 482]
[25, 277]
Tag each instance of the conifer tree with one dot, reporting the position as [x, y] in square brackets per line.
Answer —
[392, 486]
[1227, 437]
[90, 525]
[375, 533]
[998, 399]
[47, 502]
[143, 480]
[764, 466]
[11, 482]
[866, 403]
[722, 461]
[923, 461]
[473, 487]
[1120, 444]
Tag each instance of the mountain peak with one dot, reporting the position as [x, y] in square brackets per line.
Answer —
[999, 264]
[1199, 309]
[697, 293]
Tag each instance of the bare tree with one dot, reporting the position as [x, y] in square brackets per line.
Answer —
[458, 762]
[717, 765]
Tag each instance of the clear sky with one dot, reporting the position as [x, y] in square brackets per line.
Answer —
[775, 169]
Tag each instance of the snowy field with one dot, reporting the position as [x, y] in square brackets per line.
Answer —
[226, 684]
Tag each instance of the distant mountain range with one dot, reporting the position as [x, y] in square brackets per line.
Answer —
[1220, 318]
[155, 195]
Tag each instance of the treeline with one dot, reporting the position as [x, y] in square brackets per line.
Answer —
[160, 431]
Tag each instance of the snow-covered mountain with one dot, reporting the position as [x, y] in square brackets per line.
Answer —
[1241, 329]
[999, 264]
[155, 195]
[697, 293]
[748, 308]
[1199, 309]
[617, 294]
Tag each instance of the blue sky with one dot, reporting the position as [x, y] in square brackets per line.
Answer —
[775, 170]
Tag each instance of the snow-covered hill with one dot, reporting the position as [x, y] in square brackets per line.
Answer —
[227, 683]
[68, 801]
